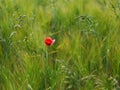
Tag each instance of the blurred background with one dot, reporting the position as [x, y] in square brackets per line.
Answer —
[85, 56]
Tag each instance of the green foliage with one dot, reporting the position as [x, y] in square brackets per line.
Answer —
[85, 56]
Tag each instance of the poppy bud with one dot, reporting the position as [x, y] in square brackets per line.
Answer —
[49, 41]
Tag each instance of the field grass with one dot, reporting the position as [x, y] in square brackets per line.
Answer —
[85, 56]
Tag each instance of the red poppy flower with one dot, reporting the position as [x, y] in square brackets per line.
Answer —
[49, 41]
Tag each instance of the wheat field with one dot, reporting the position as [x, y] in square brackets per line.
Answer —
[84, 56]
